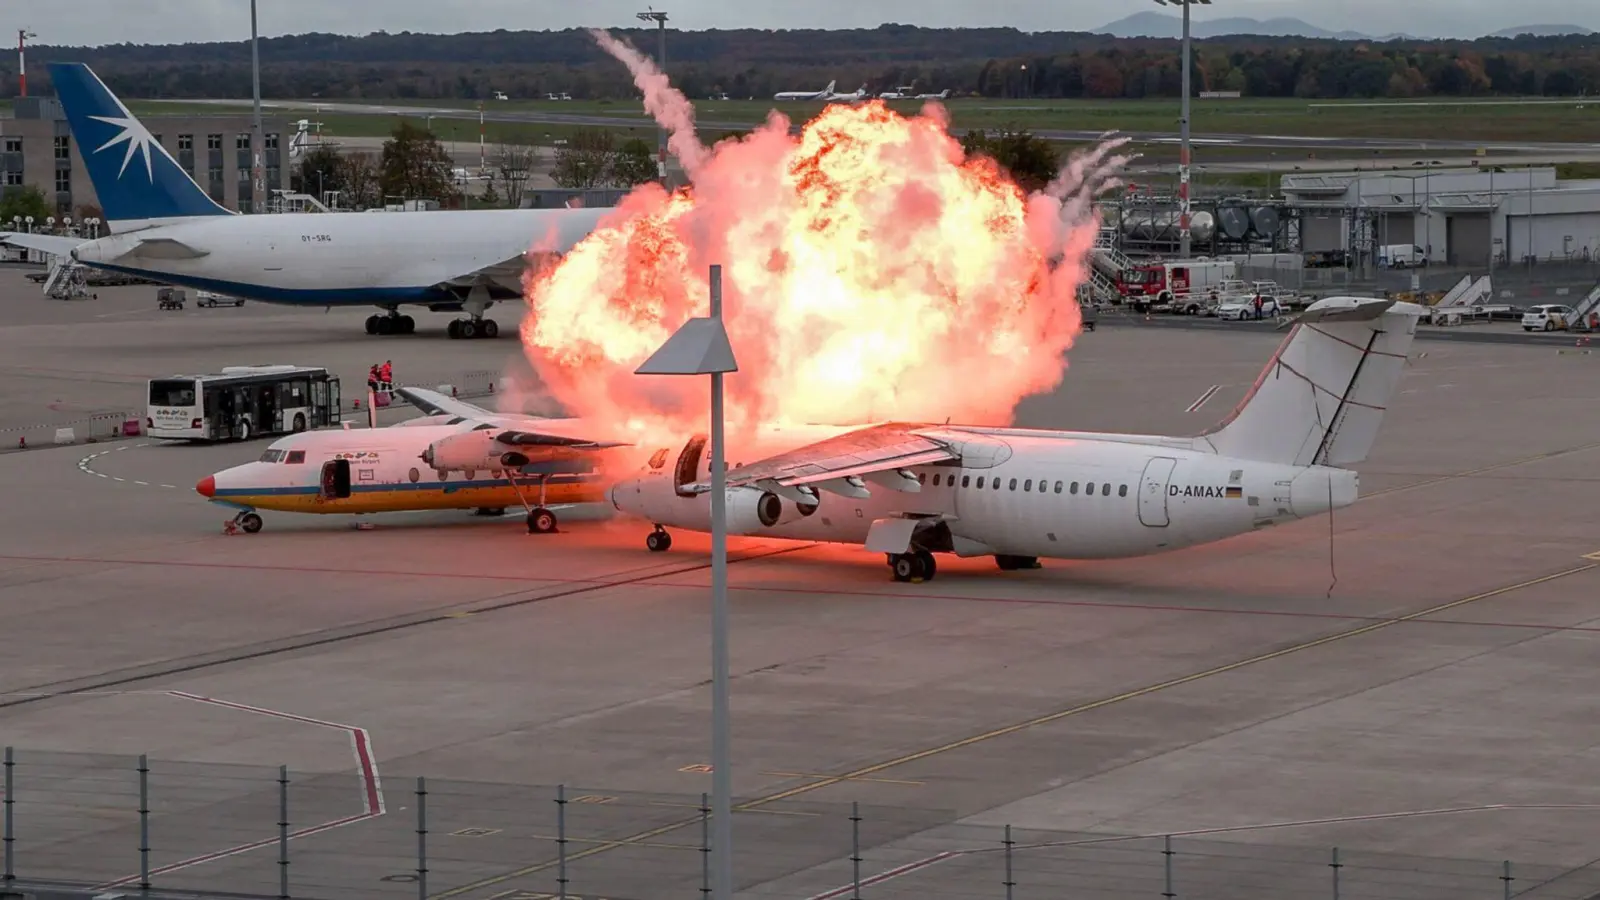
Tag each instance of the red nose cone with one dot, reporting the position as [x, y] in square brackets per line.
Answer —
[207, 486]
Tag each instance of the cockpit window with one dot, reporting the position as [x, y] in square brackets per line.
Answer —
[272, 456]
[296, 456]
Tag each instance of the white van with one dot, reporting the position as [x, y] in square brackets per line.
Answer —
[1401, 256]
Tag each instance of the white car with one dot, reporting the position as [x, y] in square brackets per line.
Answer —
[1548, 317]
[1245, 308]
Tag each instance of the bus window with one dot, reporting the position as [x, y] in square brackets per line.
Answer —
[172, 393]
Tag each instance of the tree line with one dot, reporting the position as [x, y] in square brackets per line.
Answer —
[989, 62]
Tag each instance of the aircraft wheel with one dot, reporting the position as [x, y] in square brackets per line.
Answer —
[658, 541]
[467, 328]
[491, 328]
[541, 521]
[372, 324]
[930, 567]
[250, 522]
[386, 325]
[408, 325]
[454, 330]
[908, 567]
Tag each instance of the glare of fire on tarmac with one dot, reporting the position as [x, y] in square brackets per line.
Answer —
[871, 271]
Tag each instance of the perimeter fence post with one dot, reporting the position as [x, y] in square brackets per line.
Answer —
[144, 823]
[283, 833]
[561, 840]
[10, 834]
[1167, 852]
[1336, 866]
[855, 849]
[1506, 877]
[422, 838]
[1010, 882]
[705, 845]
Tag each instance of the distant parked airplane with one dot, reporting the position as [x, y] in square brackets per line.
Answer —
[824, 94]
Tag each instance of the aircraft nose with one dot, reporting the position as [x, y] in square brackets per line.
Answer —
[207, 487]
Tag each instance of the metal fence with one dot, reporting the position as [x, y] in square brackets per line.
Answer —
[102, 824]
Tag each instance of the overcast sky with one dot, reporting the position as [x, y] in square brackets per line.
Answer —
[78, 22]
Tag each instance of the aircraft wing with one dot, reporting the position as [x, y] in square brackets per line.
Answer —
[843, 464]
[44, 243]
[436, 404]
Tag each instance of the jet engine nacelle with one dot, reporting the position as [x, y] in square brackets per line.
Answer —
[472, 451]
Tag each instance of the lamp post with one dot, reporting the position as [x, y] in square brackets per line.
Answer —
[660, 18]
[257, 139]
[1183, 129]
[701, 347]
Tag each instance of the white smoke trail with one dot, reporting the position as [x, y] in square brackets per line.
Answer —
[665, 103]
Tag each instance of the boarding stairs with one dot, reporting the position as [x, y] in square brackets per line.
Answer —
[67, 280]
[292, 202]
[1589, 304]
[1106, 258]
[1468, 299]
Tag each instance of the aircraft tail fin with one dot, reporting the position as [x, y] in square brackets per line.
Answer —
[1322, 396]
[134, 177]
[830, 87]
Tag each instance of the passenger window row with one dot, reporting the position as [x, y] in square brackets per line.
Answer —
[1027, 484]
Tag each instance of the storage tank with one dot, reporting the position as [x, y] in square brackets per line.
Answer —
[1161, 225]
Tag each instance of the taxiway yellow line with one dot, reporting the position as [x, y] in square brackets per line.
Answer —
[1035, 722]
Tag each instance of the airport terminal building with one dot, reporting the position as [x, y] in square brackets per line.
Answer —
[1481, 217]
[36, 148]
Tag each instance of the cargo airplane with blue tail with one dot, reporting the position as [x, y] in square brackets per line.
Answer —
[912, 491]
[165, 228]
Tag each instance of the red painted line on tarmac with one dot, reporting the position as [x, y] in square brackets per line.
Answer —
[372, 790]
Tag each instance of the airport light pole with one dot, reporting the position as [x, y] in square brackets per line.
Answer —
[1184, 249]
[660, 18]
[701, 347]
[22, 59]
[257, 138]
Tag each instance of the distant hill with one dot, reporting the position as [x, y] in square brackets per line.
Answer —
[1543, 31]
[1161, 25]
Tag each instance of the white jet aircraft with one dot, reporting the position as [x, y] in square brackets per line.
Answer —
[859, 95]
[165, 228]
[823, 94]
[912, 490]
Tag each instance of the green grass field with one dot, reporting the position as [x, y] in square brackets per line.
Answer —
[1443, 120]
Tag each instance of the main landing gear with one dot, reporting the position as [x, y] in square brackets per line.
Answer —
[393, 323]
[540, 519]
[916, 567]
[658, 541]
[467, 329]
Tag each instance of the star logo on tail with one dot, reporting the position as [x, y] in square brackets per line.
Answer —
[135, 135]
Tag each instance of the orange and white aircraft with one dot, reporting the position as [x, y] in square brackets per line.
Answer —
[456, 456]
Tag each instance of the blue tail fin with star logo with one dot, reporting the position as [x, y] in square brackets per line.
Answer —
[134, 176]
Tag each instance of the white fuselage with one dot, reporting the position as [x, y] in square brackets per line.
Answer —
[1044, 494]
[345, 259]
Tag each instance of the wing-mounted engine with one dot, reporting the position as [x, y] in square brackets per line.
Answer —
[750, 511]
[493, 449]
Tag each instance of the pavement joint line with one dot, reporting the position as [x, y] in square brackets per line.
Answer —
[1035, 722]
[1537, 457]
[815, 775]
[508, 600]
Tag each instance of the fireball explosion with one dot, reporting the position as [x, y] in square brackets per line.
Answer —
[871, 271]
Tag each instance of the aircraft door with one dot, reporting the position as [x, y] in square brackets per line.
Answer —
[335, 480]
[688, 468]
[1153, 491]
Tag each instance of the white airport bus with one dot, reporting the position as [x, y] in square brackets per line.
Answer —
[242, 402]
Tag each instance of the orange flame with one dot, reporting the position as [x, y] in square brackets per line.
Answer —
[870, 270]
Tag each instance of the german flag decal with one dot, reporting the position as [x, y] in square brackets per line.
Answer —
[1233, 493]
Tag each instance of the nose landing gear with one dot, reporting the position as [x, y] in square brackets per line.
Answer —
[915, 567]
[658, 541]
[246, 521]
